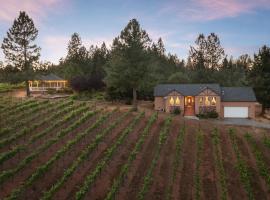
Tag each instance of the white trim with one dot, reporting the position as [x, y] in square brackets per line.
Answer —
[235, 112]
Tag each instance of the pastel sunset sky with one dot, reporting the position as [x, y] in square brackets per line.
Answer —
[242, 25]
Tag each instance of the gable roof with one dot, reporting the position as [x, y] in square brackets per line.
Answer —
[49, 77]
[239, 94]
[185, 89]
[233, 94]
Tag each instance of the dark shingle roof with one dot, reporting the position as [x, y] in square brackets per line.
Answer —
[49, 77]
[184, 89]
[238, 94]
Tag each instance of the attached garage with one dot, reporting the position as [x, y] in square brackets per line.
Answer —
[238, 102]
[236, 112]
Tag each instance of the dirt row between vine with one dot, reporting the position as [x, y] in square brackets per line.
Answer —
[71, 186]
[11, 163]
[184, 185]
[44, 157]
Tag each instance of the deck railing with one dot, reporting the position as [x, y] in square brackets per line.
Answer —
[44, 88]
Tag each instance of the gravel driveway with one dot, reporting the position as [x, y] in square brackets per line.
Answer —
[243, 122]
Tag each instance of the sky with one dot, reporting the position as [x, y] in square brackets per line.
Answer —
[243, 26]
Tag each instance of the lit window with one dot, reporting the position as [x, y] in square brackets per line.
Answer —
[214, 101]
[177, 101]
[207, 102]
[172, 101]
[201, 100]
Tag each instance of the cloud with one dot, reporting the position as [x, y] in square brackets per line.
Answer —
[206, 10]
[156, 34]
[55, 47]
[37, 9]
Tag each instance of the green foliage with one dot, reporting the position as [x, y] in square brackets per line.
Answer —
[176, 162]
[208, 114]
[259, 76]
[260, 159]
[86, 96]
[219, 164]
[179, 77]
[197, 178]
[6, 87]
[176, 111]
[245, 174]
[81, 158]
[147, 181]
[266, 141]
[18, 47]
[132, 156]
[126, 68]
[9, 154]
[46, 166]
[107, 157]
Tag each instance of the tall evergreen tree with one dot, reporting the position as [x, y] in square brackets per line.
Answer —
[260, 76]
[18, 48]
[127, 66]
[206, 57]
[76, 51]
[214, 52]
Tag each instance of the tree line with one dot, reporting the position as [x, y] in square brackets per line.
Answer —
[134, 63]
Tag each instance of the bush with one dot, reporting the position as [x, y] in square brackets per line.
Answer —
[128, 101]
[87, 82]
[82, 96]
[212, 114]
[176, 111]
[65, 91]
[208, 114]
[51, 91]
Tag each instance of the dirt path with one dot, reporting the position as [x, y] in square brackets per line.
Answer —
[163, 171]
[258, 184]
[77, 178]
[11, 163]
[131, 186]
[56, 171]
[41, 159]
[104, 182]
[186, 185]
[235, 188]
[207, 169]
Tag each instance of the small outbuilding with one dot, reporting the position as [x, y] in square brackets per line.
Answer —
[46, 82]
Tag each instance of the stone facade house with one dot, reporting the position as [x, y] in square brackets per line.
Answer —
[192, 99]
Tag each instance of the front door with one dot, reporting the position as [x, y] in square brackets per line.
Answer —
[189, 106]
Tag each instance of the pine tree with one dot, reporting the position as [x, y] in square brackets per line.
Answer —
[127, 66]
[18, 48]
[260, 76]
[76, 51]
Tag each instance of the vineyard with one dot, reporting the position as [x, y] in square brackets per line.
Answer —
[64, 149]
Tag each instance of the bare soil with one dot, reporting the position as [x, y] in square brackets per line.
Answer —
[183, 186]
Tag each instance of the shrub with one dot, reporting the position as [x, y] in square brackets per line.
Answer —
[87, 82]
[176, 111]
[65, 91]
[51, 91]
[128, 101]
[212, 114]
[208, 114]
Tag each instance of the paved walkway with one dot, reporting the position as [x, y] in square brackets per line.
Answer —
[191, 117]
[243, 122]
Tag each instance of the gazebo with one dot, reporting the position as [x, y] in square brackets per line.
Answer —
[44, 82]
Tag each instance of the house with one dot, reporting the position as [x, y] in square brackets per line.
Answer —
[44, 82]
[192, 99]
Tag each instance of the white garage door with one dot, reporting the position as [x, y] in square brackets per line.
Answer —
[237, 112]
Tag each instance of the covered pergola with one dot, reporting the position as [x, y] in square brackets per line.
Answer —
[45, 82]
